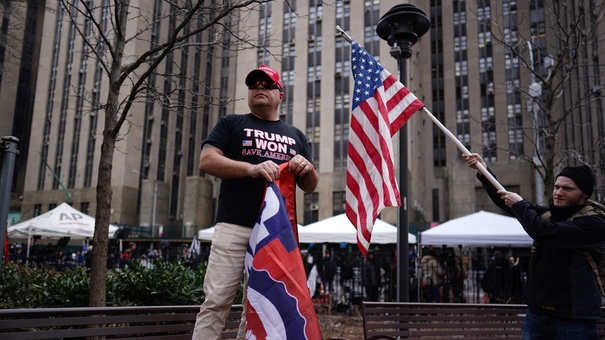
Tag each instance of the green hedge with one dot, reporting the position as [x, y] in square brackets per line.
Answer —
[167, 283]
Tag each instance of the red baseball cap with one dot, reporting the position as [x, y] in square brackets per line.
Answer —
[264, 69]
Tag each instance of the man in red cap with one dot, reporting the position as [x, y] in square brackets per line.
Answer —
[562, 292]
[245, 151]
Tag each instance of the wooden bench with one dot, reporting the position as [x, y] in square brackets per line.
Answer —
[148, 322]
[413, 320]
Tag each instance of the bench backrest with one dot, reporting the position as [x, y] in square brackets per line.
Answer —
[152, 322]
[412, 320]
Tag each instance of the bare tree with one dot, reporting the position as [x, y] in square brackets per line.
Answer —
[558, 44]
[13, 18]
[128, 79]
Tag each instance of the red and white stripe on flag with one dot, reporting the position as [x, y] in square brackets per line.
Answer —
[381, 106]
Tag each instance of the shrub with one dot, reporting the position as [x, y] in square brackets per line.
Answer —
[24, 287]
[165, 283]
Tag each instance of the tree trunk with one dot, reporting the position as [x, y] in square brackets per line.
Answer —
[98, 277]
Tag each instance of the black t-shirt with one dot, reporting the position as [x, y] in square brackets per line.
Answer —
[251, 139]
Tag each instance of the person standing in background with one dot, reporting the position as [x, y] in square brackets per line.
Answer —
[431, 275]
[327, 272]
[371, 277]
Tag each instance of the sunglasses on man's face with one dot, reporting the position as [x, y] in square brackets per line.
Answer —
[265, 84]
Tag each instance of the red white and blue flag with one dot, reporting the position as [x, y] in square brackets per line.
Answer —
[381, 106]
[278, 304]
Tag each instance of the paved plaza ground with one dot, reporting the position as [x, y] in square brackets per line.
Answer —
[341, 327]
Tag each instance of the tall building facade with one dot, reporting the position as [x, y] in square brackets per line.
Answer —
[155, 176]
[20, 39]
[472, 80]
[158, 146]
[519, 82]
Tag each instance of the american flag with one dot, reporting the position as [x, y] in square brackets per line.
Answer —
[279, 305]
[381, 106]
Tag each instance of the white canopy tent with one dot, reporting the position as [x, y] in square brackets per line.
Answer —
[338, 229]
[62, 221]
[205, 234]
[335, 229]
[480, 229]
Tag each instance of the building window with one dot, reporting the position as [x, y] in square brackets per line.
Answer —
[338, 202]
[37, 209]
[311, 213]
[84, 207]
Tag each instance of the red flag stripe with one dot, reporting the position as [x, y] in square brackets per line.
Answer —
[355, 186]
[372, 186]
[370, 142]
[381, 156]
[402, 104]
[414, 106]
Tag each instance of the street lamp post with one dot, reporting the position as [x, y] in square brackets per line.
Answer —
[8, 153]
[401, 27]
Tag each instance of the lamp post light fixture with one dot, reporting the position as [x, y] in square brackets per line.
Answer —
[401, 27]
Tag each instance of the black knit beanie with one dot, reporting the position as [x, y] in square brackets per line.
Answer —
[582, 175]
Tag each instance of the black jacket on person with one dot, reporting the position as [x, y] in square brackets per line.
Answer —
[561, 282]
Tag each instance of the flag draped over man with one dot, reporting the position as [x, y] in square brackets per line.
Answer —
[381, 106]
[278, 303]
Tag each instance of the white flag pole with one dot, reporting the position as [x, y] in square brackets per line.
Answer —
[464, 150]
[344, 34]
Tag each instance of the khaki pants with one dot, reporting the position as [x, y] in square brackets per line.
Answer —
[223, 276]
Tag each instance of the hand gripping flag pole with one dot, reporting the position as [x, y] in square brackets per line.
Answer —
[447, 132]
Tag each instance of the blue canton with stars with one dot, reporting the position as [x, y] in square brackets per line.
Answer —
[366, 72]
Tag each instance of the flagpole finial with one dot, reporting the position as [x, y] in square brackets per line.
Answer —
[344, 34]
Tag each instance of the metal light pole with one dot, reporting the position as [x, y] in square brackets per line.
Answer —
[401, 27]
[8, 152]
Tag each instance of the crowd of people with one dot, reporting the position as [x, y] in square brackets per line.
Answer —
[47, 256]
[345, 275]
[61, 258]
[444, 277]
